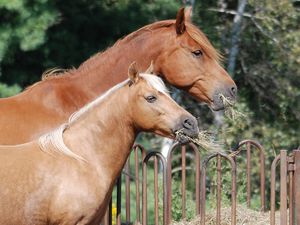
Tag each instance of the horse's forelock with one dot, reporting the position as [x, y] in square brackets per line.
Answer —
[197, 35]
[155, 82]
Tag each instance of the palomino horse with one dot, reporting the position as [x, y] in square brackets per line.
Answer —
[68, 175]
[181, 55]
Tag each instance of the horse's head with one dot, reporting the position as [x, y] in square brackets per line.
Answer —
[191, 63]
[154, 110]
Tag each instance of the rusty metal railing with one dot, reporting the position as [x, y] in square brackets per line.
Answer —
[183, 149]
[157, 157]
[289, 188]
[251, 146]
[107, 220]
[218, 156]
[289, 183]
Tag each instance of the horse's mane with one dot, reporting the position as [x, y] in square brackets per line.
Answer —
[54, 139]
[53, 73]
[195, 33]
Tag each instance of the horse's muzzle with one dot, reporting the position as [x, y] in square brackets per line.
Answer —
[187, 126]
[229, 93]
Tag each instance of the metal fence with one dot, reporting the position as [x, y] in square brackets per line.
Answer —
[289, 187]
[137, 177]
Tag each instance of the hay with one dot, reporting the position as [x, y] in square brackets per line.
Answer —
[205, 140]
[53, 72]
[231, 112]
[244, 216]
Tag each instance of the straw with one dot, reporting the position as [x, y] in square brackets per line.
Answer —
[244, 216]
[231, 111]
[204, 140]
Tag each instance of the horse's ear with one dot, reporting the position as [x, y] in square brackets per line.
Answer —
[150, 69]
[188, 13]
[180, 26]
[133, 73]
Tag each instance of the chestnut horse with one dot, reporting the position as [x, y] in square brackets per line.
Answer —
[68, 175]
[181, 55]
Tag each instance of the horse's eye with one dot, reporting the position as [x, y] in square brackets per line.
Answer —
[197, 53]
[151, 99]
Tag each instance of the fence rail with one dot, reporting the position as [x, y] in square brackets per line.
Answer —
[289, 183]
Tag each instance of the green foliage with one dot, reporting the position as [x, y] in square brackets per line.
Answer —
[6, 91]
[24, 24]
[39, 34]
[42, 34]
[267, 74]
[177, 201]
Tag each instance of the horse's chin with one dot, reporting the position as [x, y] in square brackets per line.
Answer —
[216, 107]
[182, 139]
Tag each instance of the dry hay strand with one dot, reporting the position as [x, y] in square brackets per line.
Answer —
[244, 216]
[53, 72]
[204, 139]
[231, 112]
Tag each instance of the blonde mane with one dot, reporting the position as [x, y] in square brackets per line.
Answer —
[54, 140]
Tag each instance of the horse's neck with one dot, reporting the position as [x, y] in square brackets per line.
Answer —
[110, 67]
[100, 72]
[104, 135]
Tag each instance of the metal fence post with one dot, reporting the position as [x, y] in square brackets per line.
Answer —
[283, 187]
[297, 186]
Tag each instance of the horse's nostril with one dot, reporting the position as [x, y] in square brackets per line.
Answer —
[188, 124]
[233, 91]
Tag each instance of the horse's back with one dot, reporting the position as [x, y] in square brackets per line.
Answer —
[37, 110]
[23, 118]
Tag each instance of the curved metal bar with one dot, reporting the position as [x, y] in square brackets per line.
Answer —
[296, 188]
[233, 186]
[127, 190]
[273, 180]
[165, 205]
[260, 148]
[119, 200]
[169, 176]
[141, 148]
[183, 181]
[197, 183]
[283, 186]
[252, 142]
[136, 148]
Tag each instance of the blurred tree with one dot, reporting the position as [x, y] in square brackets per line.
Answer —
[78, 30]
[266, 70]
[23, 28]
[6, 91]
[39, 34]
